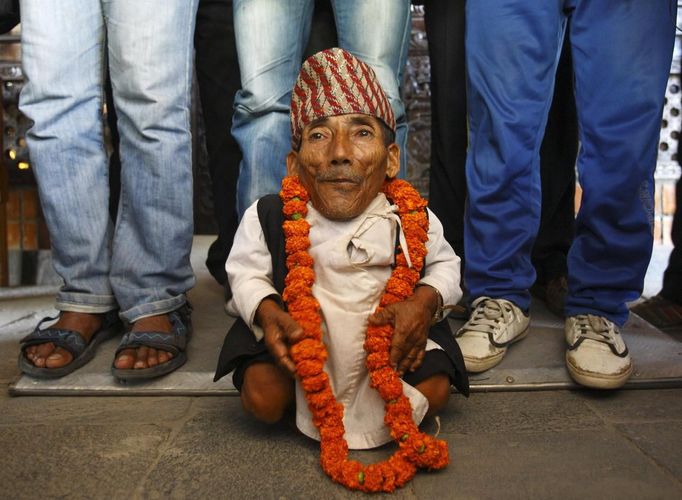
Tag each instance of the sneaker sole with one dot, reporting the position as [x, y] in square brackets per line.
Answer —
[597, 380]
[478, 365]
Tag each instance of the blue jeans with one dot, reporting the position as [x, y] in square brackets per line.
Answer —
[621, 59]
[141, 264]
[271, 36]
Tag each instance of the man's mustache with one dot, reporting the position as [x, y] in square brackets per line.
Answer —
[339, 177]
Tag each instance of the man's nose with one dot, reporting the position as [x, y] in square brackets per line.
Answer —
[341, 150]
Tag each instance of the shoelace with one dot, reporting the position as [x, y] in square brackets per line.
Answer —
[488, 314]
[596, 328]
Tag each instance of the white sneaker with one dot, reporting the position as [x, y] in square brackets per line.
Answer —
[597, 355]
[494, 324]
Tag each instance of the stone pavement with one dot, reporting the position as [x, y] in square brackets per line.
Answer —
[545, 444]
[541, 444]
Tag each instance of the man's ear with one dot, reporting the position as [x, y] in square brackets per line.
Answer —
[292, 163]
[393, 160]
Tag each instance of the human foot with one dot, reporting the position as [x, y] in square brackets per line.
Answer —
[154, 346]
[144, 356]
[48, 354]
[67, 344]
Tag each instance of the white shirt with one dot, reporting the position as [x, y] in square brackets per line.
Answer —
[352, 261]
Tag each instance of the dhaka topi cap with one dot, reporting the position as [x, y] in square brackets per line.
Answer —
[334, 82]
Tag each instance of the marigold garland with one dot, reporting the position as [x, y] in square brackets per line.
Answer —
[415, 449]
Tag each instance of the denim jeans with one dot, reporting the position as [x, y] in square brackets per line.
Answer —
[271, 36]
[141, 264]
[621, 60]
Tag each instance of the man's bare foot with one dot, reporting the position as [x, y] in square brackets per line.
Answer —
[145, 357]
[48, 355]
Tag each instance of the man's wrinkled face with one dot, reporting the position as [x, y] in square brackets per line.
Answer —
[342, 162]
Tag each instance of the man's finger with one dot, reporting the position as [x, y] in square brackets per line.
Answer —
[293, 332]
[408, 360]
[419, 360]
[398, 352]
[287, 364]
[382, 317]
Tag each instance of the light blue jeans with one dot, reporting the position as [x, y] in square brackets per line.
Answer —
[141, 264]
[271, 36]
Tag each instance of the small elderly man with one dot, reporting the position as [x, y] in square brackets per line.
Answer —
[343, 151]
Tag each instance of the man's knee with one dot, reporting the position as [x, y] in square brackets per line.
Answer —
[267, 392]
[437, 390]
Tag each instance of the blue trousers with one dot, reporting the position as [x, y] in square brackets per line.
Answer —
[621, 58]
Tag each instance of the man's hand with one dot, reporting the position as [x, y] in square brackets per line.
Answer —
[411, 320]
[280, 332]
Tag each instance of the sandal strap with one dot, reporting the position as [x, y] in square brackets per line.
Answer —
[71, 340]
[174, 341]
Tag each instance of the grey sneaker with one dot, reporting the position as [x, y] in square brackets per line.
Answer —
[597, 355]
[494, 324]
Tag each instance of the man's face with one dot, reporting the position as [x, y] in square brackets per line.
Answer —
[342, 162]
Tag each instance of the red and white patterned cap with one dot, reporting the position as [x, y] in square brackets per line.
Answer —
[334, 82]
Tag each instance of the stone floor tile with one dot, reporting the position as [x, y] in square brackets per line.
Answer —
[661, 441]
[636, 406]
[221, 453]
[565, 465]
[52, 461]
[91, 410]
[518, 412]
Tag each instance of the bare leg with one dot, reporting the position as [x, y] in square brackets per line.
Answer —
[267, 392]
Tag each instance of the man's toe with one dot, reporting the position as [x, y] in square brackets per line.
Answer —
[125, 359]
[142, 355]
[59, 357]
[164, 356]
[152, 357]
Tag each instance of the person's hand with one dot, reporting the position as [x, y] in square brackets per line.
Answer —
[411, 320]
[280, 332]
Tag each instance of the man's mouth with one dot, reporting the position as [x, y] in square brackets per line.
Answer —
[342, 180]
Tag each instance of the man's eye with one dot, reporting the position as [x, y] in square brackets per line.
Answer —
[316, 136]
[364, 133]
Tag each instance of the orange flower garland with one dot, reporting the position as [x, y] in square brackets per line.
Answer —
[415, 449]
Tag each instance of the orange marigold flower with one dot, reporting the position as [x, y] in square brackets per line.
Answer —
[376, 344]
[303, 304]
[390, 389]
[406, 274]
[380, 331]
[292, 188]
[320, 399]
[296, 228]
[295, 207]
[308, 349]
[351, 473]
[296, 244]
[296, 289]
[374, 480]
[381, 376]
[331, 432]
[398, 288]
[376, 360]
[304, 274]
[309, 368]
[299, 259]
[315, 383]
[388, 298]
[404, 470]
[400, 260]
